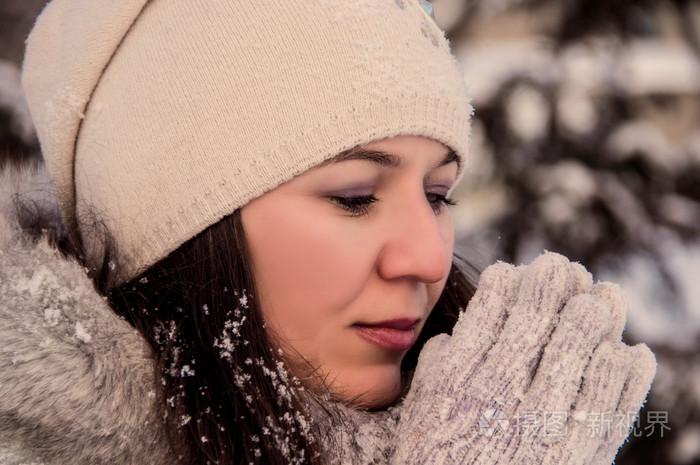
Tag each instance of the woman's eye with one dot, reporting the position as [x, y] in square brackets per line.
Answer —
[360, 204]
[356, 205]
[437, 201]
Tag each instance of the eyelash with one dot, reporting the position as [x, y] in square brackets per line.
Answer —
[359, 205]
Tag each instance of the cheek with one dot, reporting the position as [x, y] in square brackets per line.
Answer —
[306, 267]
[447, 231]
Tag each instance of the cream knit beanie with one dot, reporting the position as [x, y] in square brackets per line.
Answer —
[161, 117]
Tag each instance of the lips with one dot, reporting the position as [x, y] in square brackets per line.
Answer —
[397, 335]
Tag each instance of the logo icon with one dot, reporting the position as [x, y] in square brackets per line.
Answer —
[492, 422]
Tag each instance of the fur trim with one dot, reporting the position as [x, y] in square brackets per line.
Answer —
[76, 381]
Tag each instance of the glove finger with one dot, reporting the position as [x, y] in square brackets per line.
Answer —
[429, 366]
[583, 280]
[445, 363]
[480, 324]
[557, 381]
[618, 305]
[425, 385]
[472, 335]
[547, 285]
[642, 371]
[593, 416]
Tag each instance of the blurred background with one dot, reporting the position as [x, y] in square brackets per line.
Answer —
[586, 141]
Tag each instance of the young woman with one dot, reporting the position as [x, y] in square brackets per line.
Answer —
[258, 194]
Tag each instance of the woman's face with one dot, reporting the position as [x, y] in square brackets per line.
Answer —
[350, 257]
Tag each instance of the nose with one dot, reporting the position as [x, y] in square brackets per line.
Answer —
[418, 244]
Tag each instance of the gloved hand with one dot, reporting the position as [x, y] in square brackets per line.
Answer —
[534, 358]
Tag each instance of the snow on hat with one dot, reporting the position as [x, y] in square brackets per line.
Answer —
[164, 116]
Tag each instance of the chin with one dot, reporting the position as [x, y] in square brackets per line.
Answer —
[376, 388]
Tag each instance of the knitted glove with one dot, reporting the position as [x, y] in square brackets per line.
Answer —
[534, 358]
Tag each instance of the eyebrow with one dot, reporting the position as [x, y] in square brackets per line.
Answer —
[382, 158]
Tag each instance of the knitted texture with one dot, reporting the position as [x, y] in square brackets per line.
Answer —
[535, 354]
[163, 116]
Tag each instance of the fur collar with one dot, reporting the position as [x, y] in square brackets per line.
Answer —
[75, 379]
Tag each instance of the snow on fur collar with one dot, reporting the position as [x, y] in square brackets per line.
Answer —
[76, 381]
